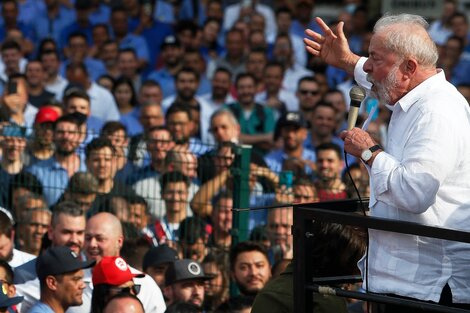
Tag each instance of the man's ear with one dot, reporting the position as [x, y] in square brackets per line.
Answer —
[120, 242]
[51, 283]
[11, 291]
[411, 66]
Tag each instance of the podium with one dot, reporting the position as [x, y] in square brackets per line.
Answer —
[346, 212]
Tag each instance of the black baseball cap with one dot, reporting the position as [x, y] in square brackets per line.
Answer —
[170, 40]
[183, 270]
[159, 255]
[59, 260]
[292, 119]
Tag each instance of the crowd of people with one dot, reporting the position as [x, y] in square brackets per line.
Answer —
[120, 122]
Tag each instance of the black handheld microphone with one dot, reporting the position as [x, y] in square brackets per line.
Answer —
[357, 94]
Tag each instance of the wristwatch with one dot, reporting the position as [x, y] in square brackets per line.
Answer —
[366, 155]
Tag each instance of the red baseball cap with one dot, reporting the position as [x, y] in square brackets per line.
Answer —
[112, 270]
[46, 114]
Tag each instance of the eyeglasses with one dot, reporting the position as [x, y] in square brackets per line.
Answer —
[134, 289]
[305, 92]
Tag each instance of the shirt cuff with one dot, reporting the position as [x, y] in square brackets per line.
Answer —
[380, 171]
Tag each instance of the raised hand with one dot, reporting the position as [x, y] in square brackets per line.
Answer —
[332, 47]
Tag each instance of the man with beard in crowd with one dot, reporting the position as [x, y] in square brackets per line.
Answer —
[184, 282]
[292, 128]
[172, 57]
[104, 237]
[181, 124]
[186, 84]
[67, 229]
[54, 173]
[60, 273]
[249, 267]
[41, 147]
[220, 94]
[8, 253]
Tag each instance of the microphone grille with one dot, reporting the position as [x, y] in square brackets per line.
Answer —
[357, 93]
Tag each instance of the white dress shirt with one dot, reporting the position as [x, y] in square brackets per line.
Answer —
[292, 75]
[19, 258]
[232, 14]
[57, 87]
[102, 104]
[422, 177]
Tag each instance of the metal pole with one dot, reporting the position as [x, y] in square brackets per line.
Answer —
[241, 198]
[241, 193]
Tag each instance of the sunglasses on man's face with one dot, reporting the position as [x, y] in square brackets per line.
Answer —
[134, 290]
[305, 92]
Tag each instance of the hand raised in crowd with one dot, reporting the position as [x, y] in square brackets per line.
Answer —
[284, 194]
[331, 47]
[14, 102]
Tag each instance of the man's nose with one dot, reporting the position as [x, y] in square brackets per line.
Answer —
[367, 66]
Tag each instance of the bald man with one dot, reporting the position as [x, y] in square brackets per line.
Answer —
[124, 303]
[104, 237]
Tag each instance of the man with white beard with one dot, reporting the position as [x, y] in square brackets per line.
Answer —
[423, 175]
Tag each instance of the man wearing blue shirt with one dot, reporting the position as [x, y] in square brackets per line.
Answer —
[54, 173]
[120, 29]
[102, 101]
[76, 51]
[82, 25]
[56, 18]
[11, 22]
[152, 30]
[60, 273]
[292, 128]
[172, 57]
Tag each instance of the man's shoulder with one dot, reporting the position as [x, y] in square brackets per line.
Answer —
[309, 154]
[276, 155]
[98, 91]
[25, 272]
[20, 258]
[40, 307]
[41, 165]
[161, 73]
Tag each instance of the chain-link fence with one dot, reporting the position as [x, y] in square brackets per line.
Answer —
[199, 199]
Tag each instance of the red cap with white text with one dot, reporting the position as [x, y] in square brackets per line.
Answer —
[112, 271]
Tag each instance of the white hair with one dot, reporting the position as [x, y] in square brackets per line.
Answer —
[228, 113]
[409, 38]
